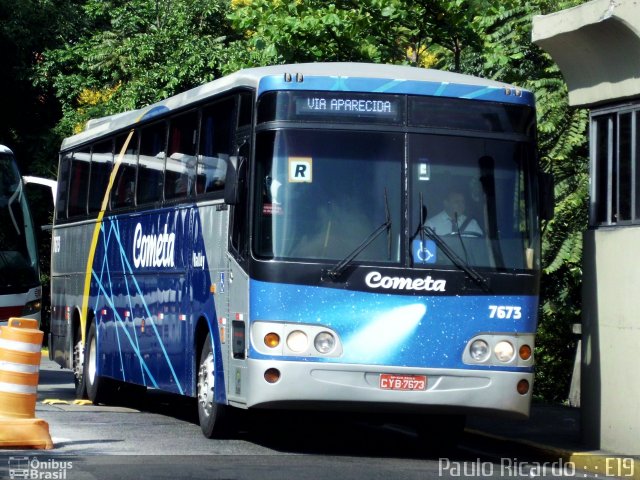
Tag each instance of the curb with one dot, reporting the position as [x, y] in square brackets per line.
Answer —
[596, 462]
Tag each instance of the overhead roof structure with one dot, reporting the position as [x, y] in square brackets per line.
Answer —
[597, 47]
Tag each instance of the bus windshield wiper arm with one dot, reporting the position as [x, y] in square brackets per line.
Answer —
[457, 261]
[335, 272]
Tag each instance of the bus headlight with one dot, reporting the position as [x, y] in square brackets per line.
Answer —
[297, 341]
[32, 307]
[479, 350]
[504, 351]
[324, 342]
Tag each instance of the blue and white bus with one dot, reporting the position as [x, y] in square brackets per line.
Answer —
[20, 288]
[320, 236]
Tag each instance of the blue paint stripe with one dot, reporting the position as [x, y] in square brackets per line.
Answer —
[408, 87]
[440, 91]
[480, 93]
[390, 86]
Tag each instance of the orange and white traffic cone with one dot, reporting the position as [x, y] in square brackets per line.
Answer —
[20, 345]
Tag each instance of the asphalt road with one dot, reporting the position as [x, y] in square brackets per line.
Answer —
[161, 439]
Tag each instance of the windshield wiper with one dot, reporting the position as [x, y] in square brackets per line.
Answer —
[442, 245]
[335, 272]
[455, 259]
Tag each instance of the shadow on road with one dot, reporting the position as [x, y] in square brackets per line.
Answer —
[312, 433]
[296, 432]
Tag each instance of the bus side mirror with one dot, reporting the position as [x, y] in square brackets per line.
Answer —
[546, 195]
[231, 183]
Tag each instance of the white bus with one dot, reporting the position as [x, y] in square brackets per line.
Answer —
[20, 289]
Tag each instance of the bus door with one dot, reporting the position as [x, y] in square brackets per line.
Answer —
[239, 278]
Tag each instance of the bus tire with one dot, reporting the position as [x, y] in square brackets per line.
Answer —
[99, 388]
[212, 416]
[78, 366]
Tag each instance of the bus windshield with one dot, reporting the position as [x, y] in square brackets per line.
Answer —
[321, 193]
[18, 253]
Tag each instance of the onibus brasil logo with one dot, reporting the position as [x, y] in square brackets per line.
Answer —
[38, 468]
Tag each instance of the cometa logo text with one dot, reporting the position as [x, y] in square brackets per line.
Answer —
[154, 250]
[377, 280]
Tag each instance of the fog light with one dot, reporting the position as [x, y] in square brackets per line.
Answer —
[504, 351]
[272, 340]
[479, 350]
[523, 387]
[324, 342]
[297, 341]
[525, 352]
[272, 375]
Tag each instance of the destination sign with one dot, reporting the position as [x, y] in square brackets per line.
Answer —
[351, 105]
[338, 107]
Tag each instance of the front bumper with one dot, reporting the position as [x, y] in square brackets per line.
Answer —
[335, 386]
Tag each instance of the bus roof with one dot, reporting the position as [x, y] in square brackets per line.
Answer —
[332, 76]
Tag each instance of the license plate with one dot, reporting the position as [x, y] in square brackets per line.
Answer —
[403, 382]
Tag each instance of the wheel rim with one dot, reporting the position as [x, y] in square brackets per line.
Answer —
[78, 360]
[91, 368]
[206, 384]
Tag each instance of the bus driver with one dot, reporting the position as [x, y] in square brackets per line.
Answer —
[452, 220]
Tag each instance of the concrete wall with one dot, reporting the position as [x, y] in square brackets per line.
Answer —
[597, 47]
[611, 340]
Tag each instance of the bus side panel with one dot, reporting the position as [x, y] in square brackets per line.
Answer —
[68, 267]
[141, 292]
[213, 223]
[239, 318]
[149, 304]
[60, 345]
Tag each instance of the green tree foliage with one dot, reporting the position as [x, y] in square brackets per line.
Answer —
[27, 28]
[315, 30]
[134, 52]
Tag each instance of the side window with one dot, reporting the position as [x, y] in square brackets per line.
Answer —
[181, 157]
[79, 184]
[216, 145]
[151, 163]
[101, 164]
[63, 183]
[239, 233]
[246, 107]
[124, 186]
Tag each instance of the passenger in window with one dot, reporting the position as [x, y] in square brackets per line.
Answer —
[452, 219]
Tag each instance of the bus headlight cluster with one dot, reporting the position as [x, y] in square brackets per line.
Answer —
[276, 338]
[500, 349]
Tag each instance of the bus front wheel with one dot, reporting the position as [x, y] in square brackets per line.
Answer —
[212, 415]
[99, 388]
